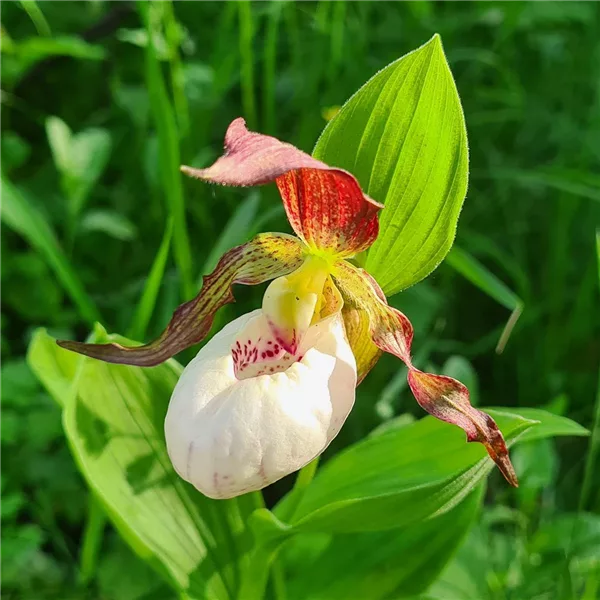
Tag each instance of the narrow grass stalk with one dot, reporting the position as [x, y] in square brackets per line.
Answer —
[588, 476]
[247, 62]
[168, 138]
[177, 76]
[270, 58]
[594, 446]
[92, 540]
[337, 38]
[37, 16]
[293, 35]
[145, 308]
[475, 272]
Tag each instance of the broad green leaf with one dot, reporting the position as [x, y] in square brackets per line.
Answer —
[113, 419]
[80, 159]
[551, 425]
[109, 222]
[403, 136]
[396, 563]
[471, 269]
[408, 474]
[20, 56]
[22, 216]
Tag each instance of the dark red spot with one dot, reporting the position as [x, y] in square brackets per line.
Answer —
[269, 353]
[264, 355]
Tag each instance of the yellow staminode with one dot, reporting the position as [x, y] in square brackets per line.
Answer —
[292, 303]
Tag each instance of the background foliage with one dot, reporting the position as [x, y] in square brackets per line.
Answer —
[91, 202]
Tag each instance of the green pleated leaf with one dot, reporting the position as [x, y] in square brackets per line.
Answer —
[403, 136]
[409, 474]
[113, 419]
[388, 564]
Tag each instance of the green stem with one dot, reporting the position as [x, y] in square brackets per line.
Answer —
[168, 137]
[305, 476]
[269, 68]
[256, 573]
[590, 461]
[92, 540]
[337, 38]
[37, 16]
[177, 77]
[247, 62]
[278, 580]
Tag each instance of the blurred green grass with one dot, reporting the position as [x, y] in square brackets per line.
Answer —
[81, 236]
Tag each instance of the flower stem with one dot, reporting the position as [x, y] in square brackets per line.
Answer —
[305, 476]
[92, 540]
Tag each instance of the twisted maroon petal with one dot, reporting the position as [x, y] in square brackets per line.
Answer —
[443, 397]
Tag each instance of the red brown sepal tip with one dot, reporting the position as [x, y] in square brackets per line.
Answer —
[448, 400]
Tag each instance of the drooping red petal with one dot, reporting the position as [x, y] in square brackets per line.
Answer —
[265, 257]
[448, 400]
[443, 397]
[325, 206]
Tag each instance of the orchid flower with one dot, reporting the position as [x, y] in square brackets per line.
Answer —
[269, 392]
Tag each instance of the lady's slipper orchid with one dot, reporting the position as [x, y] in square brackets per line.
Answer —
[270, 391]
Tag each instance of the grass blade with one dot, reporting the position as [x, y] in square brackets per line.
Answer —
[472, 270]
[168, 139]
[177, 75]
[270, 59]
[247, 62]
[145, 308]
[236, 231]
[22, 217]
[594, 447]
[585, 185]
[92, 540]
[37, 17]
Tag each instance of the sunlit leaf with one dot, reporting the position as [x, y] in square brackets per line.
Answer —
[396, 563]
[113, 418]
[410, 473]
[403, 136]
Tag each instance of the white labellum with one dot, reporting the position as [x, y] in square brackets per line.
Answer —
[244, 415]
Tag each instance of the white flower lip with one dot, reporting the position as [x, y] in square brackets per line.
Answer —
[228, 436]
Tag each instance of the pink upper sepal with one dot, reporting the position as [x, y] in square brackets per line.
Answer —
[325, 206]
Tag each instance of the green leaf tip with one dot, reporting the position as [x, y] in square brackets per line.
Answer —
[403, 135]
